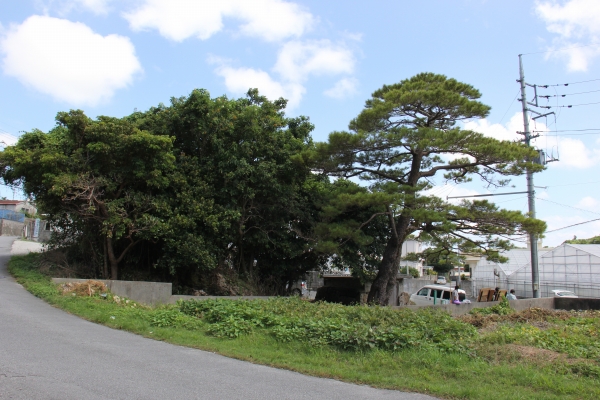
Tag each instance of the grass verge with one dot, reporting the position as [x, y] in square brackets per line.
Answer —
[507, 358]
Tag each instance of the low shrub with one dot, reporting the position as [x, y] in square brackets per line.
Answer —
[348, 328]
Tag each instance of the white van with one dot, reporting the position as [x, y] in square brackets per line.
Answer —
[435, 294]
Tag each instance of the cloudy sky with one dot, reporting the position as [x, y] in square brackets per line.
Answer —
[110, 57]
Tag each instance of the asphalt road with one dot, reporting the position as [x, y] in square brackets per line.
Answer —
[46, 353]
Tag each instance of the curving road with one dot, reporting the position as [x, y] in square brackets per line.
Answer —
[46, 353]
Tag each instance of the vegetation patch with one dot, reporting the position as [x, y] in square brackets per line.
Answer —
[350, 328]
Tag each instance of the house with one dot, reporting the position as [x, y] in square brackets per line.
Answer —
[18, 206]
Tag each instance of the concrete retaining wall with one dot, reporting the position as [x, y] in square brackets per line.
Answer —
[576, 304]
[465, 308]
[11, 228]
[174, 298]
[152, 293]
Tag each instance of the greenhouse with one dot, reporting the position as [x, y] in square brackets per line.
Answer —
[574, 267]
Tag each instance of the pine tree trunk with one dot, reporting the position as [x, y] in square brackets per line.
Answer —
[388, 270]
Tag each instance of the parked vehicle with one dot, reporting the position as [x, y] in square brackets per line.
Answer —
[440, 280]
[567, 294]
[441, 294]
[299, 289]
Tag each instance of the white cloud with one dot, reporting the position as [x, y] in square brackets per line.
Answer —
[588, 202]
[572, 153]
[67, 60]
[239, 80]
[96, 6]
[342, 89]
[63, 7]
[542, 195]
[576, 23]
[270, 20]
[297, 60]
[6, 139]
[502, 132]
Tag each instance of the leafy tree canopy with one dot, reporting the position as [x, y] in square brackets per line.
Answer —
[592, 240]
[93, 177]
[407, 136]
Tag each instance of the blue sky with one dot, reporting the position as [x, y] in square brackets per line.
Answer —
[110, 57]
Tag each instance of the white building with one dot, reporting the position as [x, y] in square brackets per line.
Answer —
[411, 246]
[574, 267]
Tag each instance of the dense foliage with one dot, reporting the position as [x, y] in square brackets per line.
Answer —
[179, 191]
[210, 192]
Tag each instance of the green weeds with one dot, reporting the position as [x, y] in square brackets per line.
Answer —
[355, 328]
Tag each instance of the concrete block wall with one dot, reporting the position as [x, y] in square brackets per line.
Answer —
[11, 228]
[151, 293]
[518, 305]
[174, 298]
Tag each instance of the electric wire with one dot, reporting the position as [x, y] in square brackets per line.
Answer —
[561, 49]
[567, 94]
[565, 205]
[571, 130]
[573, 184]
[567, 84]
[569, 226]
[573, 105]
[509, 107]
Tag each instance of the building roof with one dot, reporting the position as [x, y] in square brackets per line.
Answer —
[10, 202]
[593, 249]
[517, 259]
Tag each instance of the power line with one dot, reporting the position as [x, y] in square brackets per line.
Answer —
[575, 134]
[569, 226]
[561, 49]
[512, 102]
[574, 105]
[574, 184]
[565, 205]
[571, 130]
[567, 84]
[568, 94]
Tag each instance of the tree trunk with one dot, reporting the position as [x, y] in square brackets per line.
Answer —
[388, 270]
[114, 263]
[105, 269]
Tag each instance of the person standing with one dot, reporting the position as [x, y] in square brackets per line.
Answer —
[455, 296]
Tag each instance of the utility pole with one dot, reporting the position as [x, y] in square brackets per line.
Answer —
[535, 278]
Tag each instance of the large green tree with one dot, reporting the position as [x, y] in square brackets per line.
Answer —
[95, 180]
[241, 196]
[407, 135]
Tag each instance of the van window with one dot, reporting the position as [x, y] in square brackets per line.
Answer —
[446, 295]
[461, 296]
[438, 293]
[423, 292]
